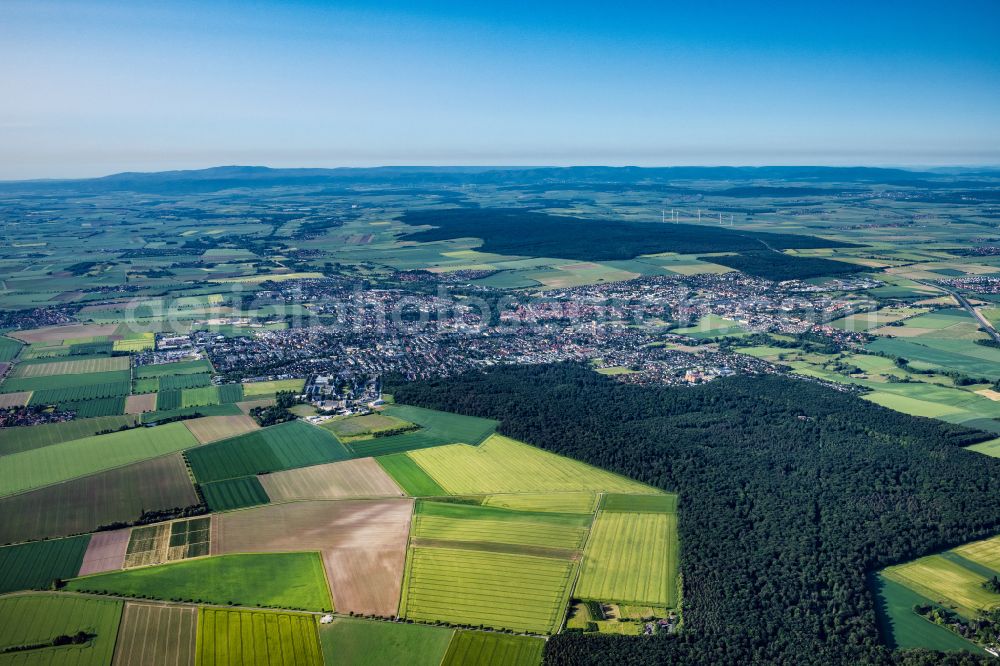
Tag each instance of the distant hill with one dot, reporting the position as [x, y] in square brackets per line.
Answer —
[230, 177]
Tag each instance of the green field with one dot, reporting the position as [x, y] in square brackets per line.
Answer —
[631, 558]
[503, 465]
[80, 457]
[35, 565]
[436, 428]
[195, 397]
[234, 493]
[264, 389]
[9, 349]
[492, 649]
[256, 638]
[279, 580]
[904, 629]
[206, 410]
[84, 504]
[666, 503]
[946, 583]
[280, 447]
[35, 619]
[62, 382]
[180, 368]
[409, 476]
[483, 524]
[16, 440]
[498, 590]
[354, 642]
[565, 502]
[354, 426]
[192, 380]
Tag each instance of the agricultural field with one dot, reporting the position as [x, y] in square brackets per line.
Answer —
[33, 619]
[105, 552]
[409, 476]
[492, 649]
[952, 582]
[358, 478]
[237, 493]
[499, 590]
[439, 521]
[504, 465]
[178, 368]
[214, 428]
[55, 388]
[137, 404]
[84, 504]
[362, 542]
[168, 542]
[153, 633]
[631, 557]
[280, 447]
[281, 580]
[356, 642]
[904, 629]
[256, 638]
[436, 428]
[566, 502]
[25, 438]
[367, 424]
[253, 390]
[61, 462]
[35, 565]
[95, 364]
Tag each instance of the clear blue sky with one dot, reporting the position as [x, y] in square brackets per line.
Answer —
[94, 87]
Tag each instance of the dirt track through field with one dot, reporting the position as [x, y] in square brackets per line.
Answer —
[362, 542]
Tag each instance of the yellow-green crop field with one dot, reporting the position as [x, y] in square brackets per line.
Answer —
[631, 558]
[946, 582]
[84, 366]
[568, 502]
[503, 465]
[498, 590]
[251, 389]
[251, 638]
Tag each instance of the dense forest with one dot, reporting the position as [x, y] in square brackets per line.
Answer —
[778, 266]
[521, 231]
[790, 492]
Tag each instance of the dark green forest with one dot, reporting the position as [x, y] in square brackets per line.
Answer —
[521, 231]
[778, 266]
[790, 493]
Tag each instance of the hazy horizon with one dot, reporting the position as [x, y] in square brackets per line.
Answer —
[93, 88]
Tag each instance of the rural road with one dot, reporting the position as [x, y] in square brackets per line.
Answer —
[964, 302]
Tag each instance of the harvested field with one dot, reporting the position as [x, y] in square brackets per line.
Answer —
[504, 465]
[213, 428]
[19, 399]
[243, 491]
[250, 638]
[363, 544]
[246, 405]
[59, 333]
[156, 634]
[137, 404]
[35, 618]
[81, 457]
[339, 480]
[106, 552]
[33, 566]
[71, 367]
[498, 590]
[354, 426]
[82, 505]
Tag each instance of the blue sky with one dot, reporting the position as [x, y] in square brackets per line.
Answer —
[95, 87]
